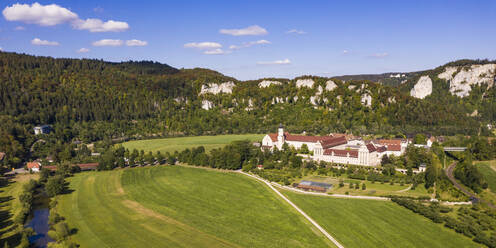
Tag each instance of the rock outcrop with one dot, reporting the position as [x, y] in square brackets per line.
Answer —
[330, 85]
[462, 78]
[215, 89]
[304, 83]
[267, 83]
[422, 88]
[207, 105]
[366, 100]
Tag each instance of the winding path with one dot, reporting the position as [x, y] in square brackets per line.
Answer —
[449, 173]
[332, 239]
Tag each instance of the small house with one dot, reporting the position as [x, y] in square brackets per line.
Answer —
[422, 167]
[34, 166]
[45, 129]
[260, 167]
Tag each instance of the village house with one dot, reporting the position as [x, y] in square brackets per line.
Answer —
[45, 129]
[337, 148]
[34, 166]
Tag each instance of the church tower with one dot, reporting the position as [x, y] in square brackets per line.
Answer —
[280, 136]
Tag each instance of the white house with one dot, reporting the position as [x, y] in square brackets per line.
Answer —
[42, 129]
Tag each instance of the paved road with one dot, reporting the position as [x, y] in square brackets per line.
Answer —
[449, 173]
[332, 239]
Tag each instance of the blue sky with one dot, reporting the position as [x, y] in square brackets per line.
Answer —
[329, 38]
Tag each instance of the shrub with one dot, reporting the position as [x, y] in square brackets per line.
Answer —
[55, 185]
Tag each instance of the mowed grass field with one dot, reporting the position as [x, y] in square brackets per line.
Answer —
[175, 206]
[181, 143]
[369, 223]
[488, 169]
[10, 206]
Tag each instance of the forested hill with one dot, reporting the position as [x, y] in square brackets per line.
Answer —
[91, 100]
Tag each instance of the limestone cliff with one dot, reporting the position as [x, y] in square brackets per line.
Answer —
[422, 88]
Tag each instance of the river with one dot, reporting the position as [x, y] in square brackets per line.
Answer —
[39, 221]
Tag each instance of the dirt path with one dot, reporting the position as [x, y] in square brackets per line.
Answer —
[449, 173]
[405, 190]
[332, 239]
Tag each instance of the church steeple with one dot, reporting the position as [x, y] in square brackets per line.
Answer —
[280, 136]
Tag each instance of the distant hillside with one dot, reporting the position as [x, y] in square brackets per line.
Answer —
[92, 100]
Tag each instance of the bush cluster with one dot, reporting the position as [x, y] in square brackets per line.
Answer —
[472, 222]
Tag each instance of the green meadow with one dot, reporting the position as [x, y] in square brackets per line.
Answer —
[369, 223]
[488, 169]
[10, 206]
[181, 143]
[173, 206]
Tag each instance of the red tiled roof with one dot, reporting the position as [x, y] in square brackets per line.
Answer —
[88, 166]
[302, 138]
[341, 153]
[32, 165]
[396, 148]
[389, 142]
[333, 141]
[273, 137]
[381, 149]
[371, 147]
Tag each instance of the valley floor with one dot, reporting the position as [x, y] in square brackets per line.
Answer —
[176, 206]
[180, 207]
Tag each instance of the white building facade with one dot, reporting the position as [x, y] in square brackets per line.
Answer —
[337, 148]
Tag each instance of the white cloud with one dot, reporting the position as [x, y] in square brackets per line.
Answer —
[98, 9]
[345, 51]
[83, 50]
[108, 42]
[1, 49]
[44, 15]
[50, 15]
[379, 55]
[276, 62]
[295, 31]
[97, 25]
[251, 30]
[249, 44]
[19, 28]
[39, 42]
[136, 43]
[216, 51]
[203, 45]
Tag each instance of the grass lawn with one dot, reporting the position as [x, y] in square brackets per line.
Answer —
[488, 169]
[181, 143]
[367, 223]
[174, 206]
[10, 207]
[372, 189]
